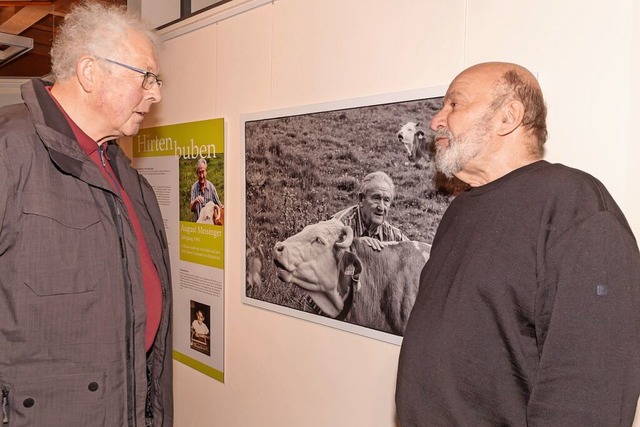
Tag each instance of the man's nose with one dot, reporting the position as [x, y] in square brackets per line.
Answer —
[438, 121]
[155, 93]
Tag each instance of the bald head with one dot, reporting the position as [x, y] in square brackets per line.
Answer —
[509, 82]
[495, 72]
[492, 121]
[499, 68]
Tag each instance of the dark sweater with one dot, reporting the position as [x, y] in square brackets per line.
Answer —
[528, 312]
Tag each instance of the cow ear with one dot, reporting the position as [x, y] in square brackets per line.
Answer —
[345, 238]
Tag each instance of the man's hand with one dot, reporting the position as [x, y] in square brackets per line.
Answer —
[374, 244]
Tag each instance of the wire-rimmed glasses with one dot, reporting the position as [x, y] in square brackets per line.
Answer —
[149, 78]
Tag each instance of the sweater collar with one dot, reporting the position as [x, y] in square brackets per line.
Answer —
[493, 185]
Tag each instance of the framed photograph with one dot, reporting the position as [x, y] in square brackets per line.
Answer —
[312, 216]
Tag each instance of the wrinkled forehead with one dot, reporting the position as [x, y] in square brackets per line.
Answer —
[473, 83]
[378, 186]
[142, 51]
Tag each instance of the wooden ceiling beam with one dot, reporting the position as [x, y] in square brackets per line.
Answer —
[41, 28]
[25, 3]
[6, 13]
[24, 18]
[29, 24]
[61, 7]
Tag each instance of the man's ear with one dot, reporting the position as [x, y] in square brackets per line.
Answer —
[86, 72]
[360, 197]
[511, 116]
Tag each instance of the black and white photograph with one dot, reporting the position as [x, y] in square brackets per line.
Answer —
[200, 327]
[342, 204]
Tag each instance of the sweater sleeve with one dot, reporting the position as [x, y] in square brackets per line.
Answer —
[587, 326]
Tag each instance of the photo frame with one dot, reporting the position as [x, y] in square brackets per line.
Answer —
[302, 166]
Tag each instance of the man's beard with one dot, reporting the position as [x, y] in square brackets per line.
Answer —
[452, 158]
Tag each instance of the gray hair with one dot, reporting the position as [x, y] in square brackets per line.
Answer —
[201, 161]
[515, 85]
[368, 181]
[94, 28]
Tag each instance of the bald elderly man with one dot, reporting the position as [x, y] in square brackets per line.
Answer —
[528, 308]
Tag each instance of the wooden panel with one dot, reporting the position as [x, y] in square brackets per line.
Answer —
[28, 65]
[25, 3]
[6, 12]
[24, 18]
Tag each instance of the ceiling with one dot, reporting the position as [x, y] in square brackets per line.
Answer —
[36, 20]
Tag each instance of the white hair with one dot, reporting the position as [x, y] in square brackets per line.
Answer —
[94, 28]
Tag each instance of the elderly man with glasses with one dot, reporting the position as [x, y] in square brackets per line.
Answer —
[85, 293]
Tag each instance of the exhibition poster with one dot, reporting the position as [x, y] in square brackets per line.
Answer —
[184, 163]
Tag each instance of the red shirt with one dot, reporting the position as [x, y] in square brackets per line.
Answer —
[150, 278]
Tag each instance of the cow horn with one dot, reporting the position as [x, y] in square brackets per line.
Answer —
[347, 237]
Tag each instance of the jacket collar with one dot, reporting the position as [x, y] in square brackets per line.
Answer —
[56, 134]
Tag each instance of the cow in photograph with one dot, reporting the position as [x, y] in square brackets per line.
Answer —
[350, 281]
[211, 214]
[415, 143]
[419, 149]
[254, 267]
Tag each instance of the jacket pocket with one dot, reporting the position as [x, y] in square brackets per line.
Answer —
[59, 236]
[57, 401]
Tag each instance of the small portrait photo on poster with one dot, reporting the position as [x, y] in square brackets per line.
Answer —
[202, 189]
[342, 204]
[200, 327]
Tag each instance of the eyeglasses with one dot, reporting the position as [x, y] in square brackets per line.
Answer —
[149, 78]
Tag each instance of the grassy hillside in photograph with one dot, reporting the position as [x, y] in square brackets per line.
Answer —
[303, 169]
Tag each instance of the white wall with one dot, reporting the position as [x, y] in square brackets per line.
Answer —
[282, 371]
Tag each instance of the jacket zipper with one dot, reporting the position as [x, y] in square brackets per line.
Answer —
[5, 404]
[130, 318]
[161, 236]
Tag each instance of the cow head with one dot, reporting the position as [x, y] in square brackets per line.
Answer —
[411, 138]
[316, 259]
[211, 214]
